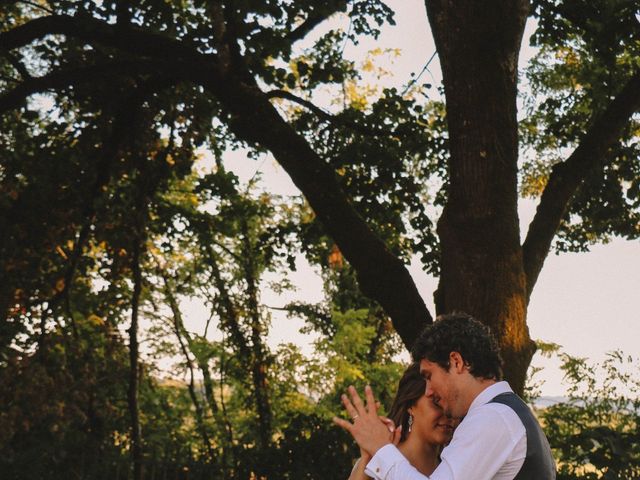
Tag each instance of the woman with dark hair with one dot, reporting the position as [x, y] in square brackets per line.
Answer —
[425, 428]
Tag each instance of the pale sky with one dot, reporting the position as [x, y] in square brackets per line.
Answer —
[586, 302]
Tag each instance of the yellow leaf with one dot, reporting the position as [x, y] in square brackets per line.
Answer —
[95, 320]
[368, 66]
[61, 252]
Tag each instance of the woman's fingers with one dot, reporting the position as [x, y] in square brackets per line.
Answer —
[351, 410]
[356, 406]
[388, 422]
[372, 406]
[357, 402]
[368, 430]
[343, 423]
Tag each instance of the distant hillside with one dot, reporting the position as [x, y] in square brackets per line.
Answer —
[544, 401]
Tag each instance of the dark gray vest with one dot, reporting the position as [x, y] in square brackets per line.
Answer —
[538, 464]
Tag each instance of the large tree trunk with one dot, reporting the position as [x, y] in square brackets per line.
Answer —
[482, 270]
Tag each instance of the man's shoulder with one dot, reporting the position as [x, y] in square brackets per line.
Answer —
[495, 416]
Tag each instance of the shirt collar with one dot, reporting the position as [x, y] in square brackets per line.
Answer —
[489, 393]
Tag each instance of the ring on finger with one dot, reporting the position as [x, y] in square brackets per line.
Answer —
[355, 416]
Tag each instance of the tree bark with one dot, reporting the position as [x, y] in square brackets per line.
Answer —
[481, 265]
[136, 436]
[259, 363]
[182, 335]
[251, 353]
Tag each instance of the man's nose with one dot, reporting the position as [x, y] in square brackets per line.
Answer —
[429, 391]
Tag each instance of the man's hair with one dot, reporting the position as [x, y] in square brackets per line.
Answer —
[459, 332]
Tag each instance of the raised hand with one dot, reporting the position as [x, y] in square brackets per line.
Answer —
[370, 431]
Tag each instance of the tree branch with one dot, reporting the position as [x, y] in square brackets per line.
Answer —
[219, 27]
[18, 65]
[228, 313]
[314, 19]
[301, 101]
[123, 13]
[133, 392]
[333, 119]
[182, 334]
[71, 76]
[35, 5]
[131, 39]
[381, 275]
[567, 176]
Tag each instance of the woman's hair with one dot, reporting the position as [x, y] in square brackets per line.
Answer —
[411, 387]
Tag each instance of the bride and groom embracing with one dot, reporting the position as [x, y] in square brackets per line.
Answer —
[498, 437]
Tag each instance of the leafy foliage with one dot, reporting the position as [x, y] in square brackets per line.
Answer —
[101, 129]
[594, 433]
[586, 50]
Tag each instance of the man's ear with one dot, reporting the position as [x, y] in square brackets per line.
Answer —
[456, 362]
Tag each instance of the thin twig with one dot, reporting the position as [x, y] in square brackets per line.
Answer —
[424, 69]
[327, 116]
[37, 6]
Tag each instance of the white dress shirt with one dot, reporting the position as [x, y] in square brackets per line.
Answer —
[489, 444]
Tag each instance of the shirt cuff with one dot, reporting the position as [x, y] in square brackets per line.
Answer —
[383, 461]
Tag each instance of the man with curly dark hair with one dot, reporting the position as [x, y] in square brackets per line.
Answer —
[498, 438]
[457, 339]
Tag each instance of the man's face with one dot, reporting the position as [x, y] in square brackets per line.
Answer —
[441, 387]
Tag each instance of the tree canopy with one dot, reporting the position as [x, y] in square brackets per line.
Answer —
[106, 107]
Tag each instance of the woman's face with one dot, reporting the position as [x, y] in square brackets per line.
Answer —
[430, 422]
